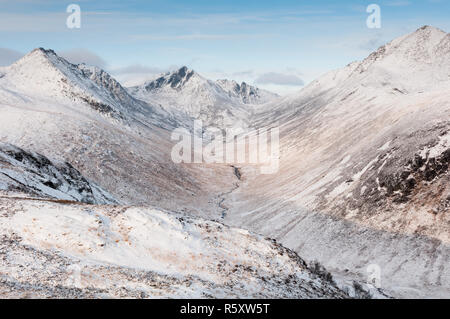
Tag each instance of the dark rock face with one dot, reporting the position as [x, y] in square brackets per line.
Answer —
[247, 92]
[29, 172]
[406, 176]
[418, 169]
[175, 80]
[102, 107]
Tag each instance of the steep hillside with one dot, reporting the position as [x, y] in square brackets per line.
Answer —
[80, 251]
[35, 175]
[246, 93]
[364, 168]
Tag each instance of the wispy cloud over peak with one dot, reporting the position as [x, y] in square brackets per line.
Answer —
[279, 79]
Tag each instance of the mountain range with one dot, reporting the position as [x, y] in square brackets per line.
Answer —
[87, 180]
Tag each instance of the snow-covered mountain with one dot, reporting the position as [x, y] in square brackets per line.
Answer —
[81, 115]
[364, 168]
[43, 76]
[221, 103]
[246, 93]
[363, 177]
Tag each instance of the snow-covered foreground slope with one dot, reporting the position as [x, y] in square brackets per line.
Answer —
[75, 250]
[364, 168]
[187, 95]
[35, 175]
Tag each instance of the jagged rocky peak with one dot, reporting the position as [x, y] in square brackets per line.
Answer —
[39, 52]
[233, 88]
[247, 90]
[423, 45]
[176, 79]
[231, 85]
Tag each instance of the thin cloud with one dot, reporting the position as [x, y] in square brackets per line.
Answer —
[138, 69]
[279, 79]
[78, 56]
[151, 37]
[8, 56]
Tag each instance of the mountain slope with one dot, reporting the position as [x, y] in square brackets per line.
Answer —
[79, 251]
[364, 168]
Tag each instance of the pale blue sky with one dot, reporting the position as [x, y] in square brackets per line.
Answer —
[273, 44]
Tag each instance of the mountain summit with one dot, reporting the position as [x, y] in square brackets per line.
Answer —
[43, 74]
[176, 80]
[222, 103]
[185, 78]
[414, 62]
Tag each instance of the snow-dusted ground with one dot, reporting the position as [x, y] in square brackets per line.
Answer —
[73, 250]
